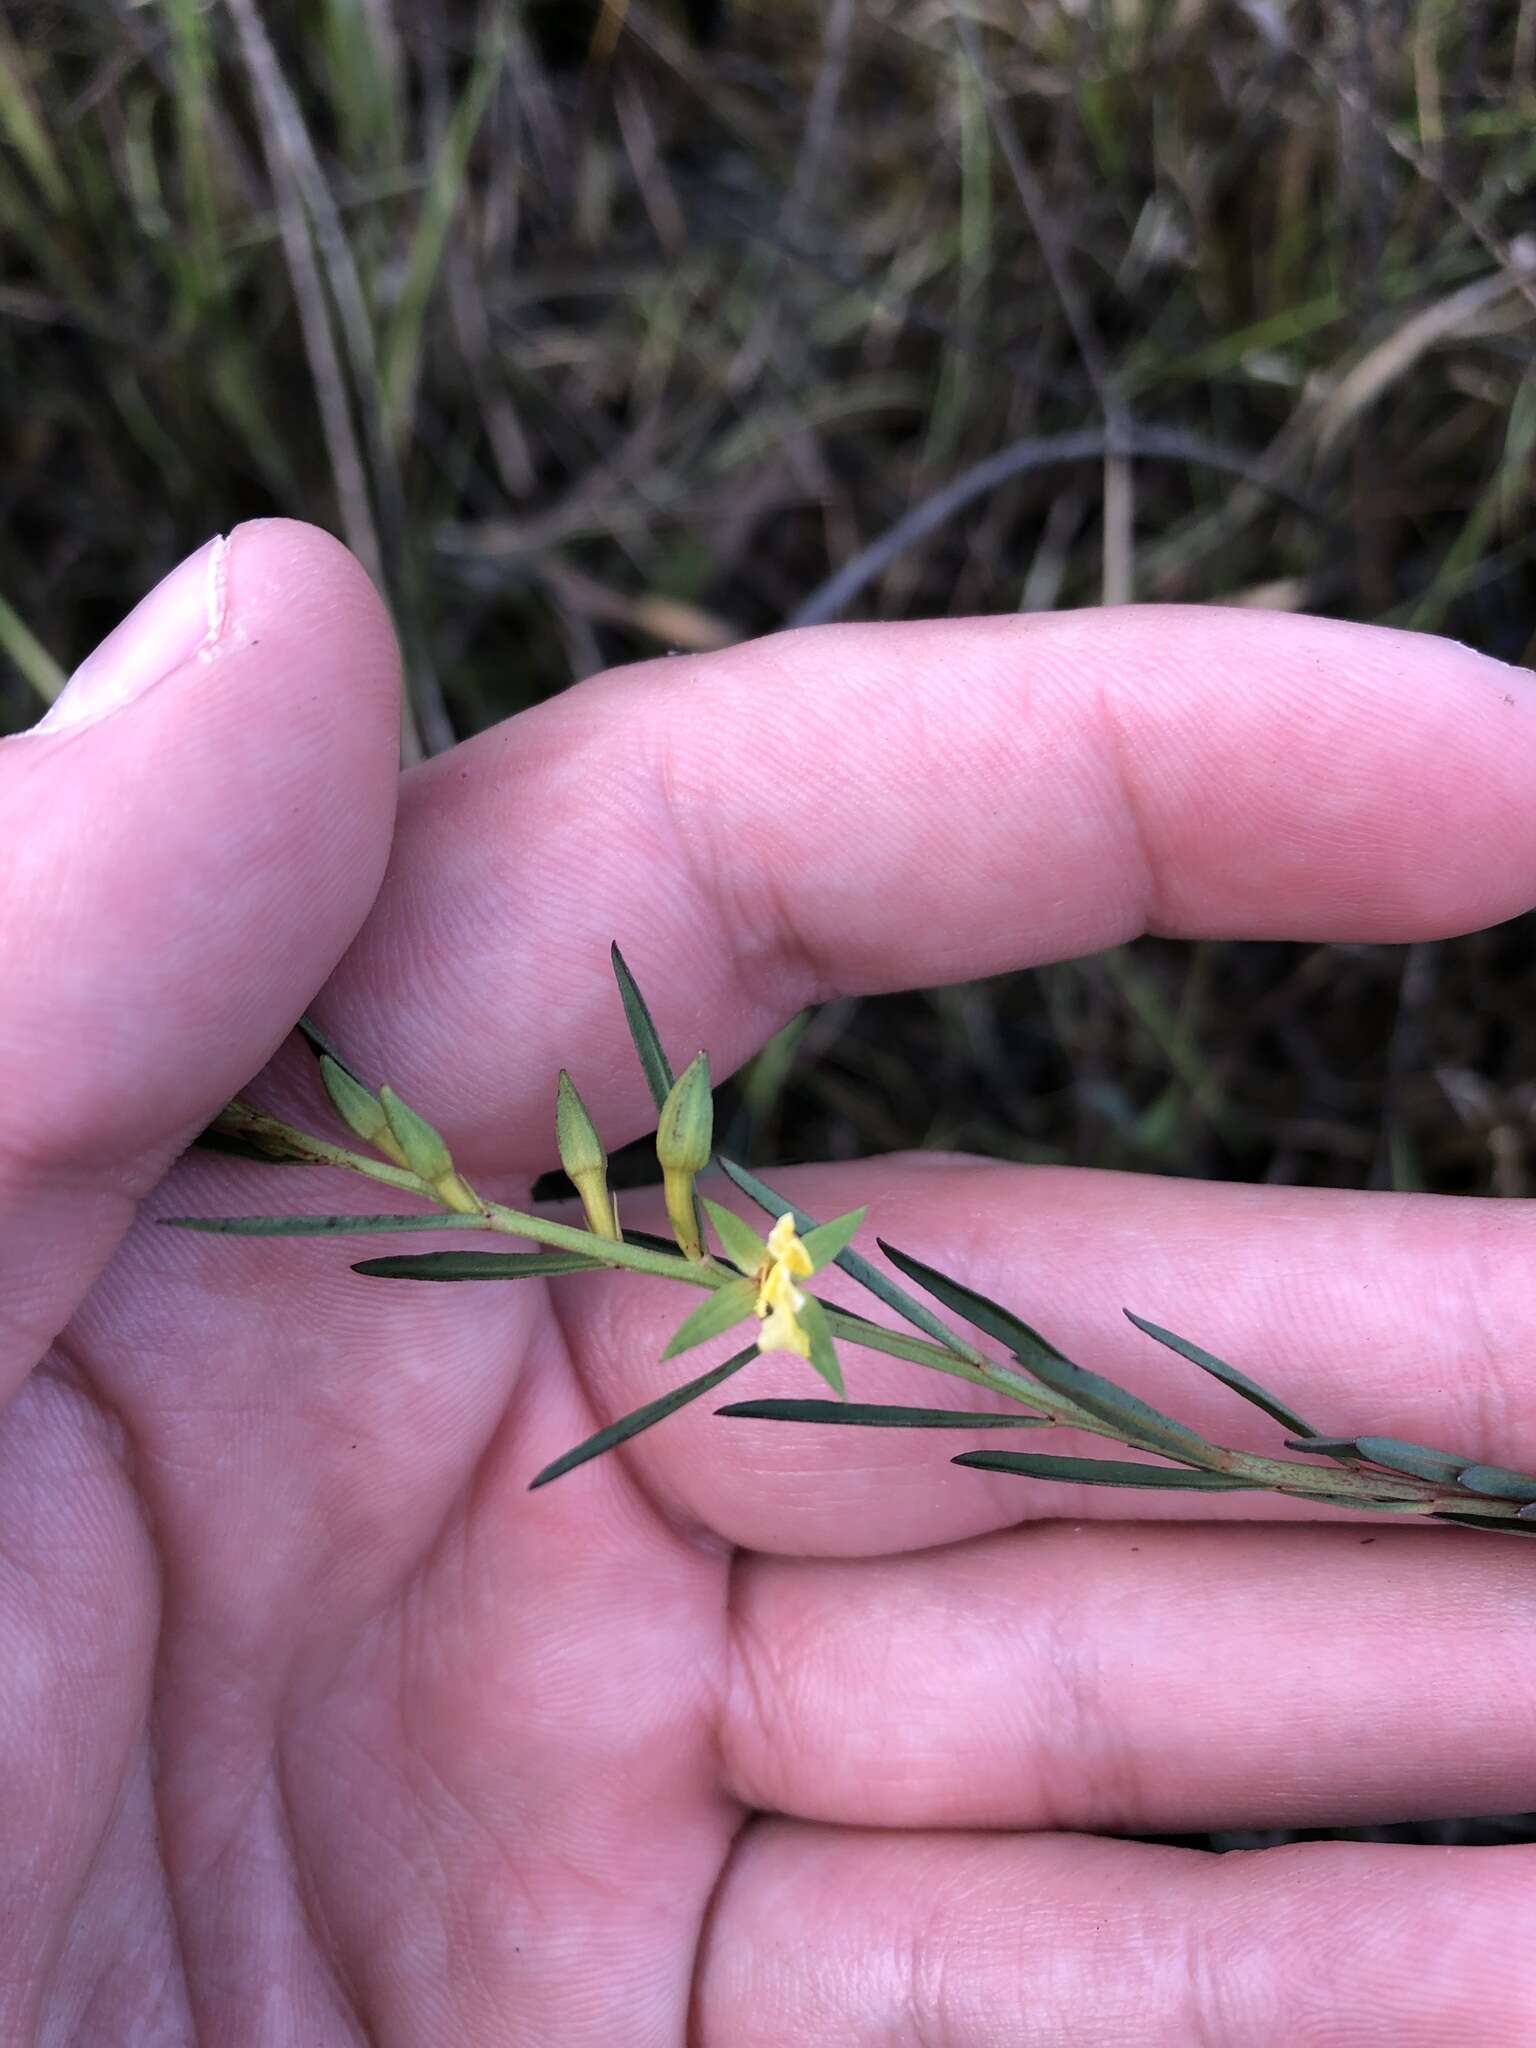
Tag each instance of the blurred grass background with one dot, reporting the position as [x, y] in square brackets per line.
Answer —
[599, 327]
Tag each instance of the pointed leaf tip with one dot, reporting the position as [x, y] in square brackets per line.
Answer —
[641, 1419]
[1137, 1420]
[813, 1320]
[1280, 1411]
[827, 1241]
[654, 1063]
[1101, 1472]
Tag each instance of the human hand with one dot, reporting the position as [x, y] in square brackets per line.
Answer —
[317, 1727]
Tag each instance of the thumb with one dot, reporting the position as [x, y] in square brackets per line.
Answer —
[188, 842]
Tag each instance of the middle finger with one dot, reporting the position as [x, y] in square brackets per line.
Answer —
[1162, 1677]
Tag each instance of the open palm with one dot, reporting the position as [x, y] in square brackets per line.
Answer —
[316, 1726]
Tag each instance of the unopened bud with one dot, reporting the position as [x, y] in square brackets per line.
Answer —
[684, 1137]
[583, 1157]
[426, 1153]
[361, 1112]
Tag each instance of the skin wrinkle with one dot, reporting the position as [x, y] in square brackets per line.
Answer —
[94, 2013]
[348, 2004]
[1150, 915]
[1499, 1408]
[112, 1423]
[750, 903]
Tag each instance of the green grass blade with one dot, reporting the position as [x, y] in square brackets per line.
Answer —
[400, 356]
[477, 1266]
[28, 656]
[642, 1418]
[23, 125]
[857, 1267]
[654, 1063]
[878, 1415]
[1100, 1472]
[1229, 1375]
[1126, 1413]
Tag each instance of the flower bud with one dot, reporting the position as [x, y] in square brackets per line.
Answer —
[362, 1113]
[684, 1138]
[427, 1155]
[583, 1157]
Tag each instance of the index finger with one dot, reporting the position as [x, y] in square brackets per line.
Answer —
[856, 808]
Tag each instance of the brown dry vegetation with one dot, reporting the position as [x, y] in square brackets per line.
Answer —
[599, 331]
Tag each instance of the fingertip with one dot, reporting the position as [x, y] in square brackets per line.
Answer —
[220, 803]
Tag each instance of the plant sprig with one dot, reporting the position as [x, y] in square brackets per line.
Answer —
[749, 1278]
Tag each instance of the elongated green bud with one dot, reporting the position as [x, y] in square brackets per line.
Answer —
[426, 1154]
[583, 1157]
[684, 1137]
[362, 1113]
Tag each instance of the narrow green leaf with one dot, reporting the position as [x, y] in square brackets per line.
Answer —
[743, 1247]
[477, 1265]
[1344, 1448]
[1091, 1392]
[308, 1226]
[1501, 1525]
[877, 1415]
[225, 1142]
[1100, 1471]
[319, 1044]
[653, 1060]
[1417, 1460]
[1395, 1453]
[824, 1241]
[1229, 1375]
[813, 1320]
[649, 1242]
[631, 1425]
[857, 1267]
[987, 1316]
[1497, 1482]
[719, 1312]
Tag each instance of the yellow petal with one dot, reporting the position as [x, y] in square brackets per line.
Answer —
[785, 1247]
[782, 1332]
[779, 1291]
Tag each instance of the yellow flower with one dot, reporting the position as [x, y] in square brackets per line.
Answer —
[779, 1300]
